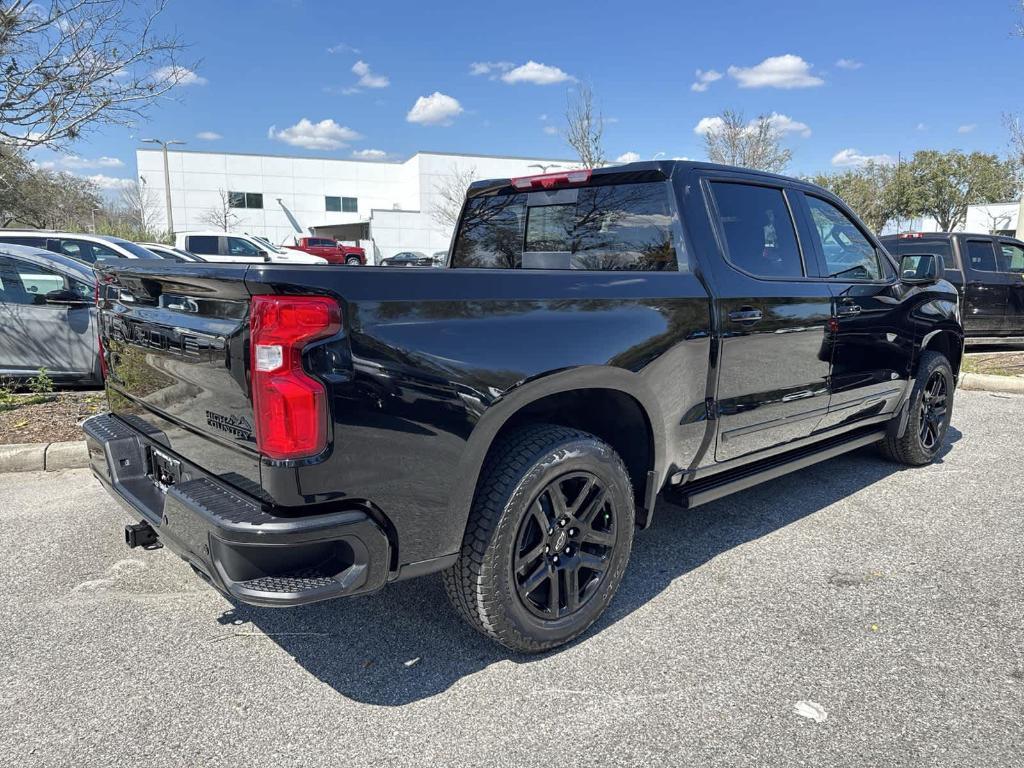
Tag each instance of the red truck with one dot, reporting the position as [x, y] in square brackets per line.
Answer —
[332, 250]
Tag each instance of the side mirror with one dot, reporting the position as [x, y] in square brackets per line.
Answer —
[66, 298]
[263, 255]
[921, 269]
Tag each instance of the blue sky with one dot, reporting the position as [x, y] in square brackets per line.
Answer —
[848, 80]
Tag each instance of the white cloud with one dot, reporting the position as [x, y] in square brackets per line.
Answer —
[537, 74]
[326, 134]
[109, 182]
[852, 158]
[922, 127]
[179, 74]
[436, 109]
[368, 79]
[551, 130]
[967, 128]
[370, 154]
[628, 157]
[74, 161]
[787, 71]
[708, 125]
[849, 64]
[342, 48]
[208, 136]
[785, 124]
[704, 79]
[491, 68]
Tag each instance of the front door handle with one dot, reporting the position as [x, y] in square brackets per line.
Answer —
[746, 315]
[848, 309]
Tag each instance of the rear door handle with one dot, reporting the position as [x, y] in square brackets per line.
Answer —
[848, 309]
[747, 315]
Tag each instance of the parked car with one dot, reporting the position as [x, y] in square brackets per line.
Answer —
[987, 270]
[229, 247]
[79, 246]
[599, 339]
[169, 252]
[48, 315]
[440, 258]
[408, 259]
[332, 250]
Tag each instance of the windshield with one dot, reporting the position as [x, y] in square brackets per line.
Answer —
[267, 243]
[135, 250]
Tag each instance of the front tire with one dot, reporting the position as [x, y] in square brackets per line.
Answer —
[353, 261]
[547, 540]
[931, 407]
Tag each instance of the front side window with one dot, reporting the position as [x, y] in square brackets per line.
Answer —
[981, 256]
[332, 204]
[26, 283]
[1013, 258]
[606, 227]
[848, 253]
[238, 246]
[759, 233]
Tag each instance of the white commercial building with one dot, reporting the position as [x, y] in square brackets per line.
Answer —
[388, 207]
[986, 218]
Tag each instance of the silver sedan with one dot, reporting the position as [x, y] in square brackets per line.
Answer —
[47, 316]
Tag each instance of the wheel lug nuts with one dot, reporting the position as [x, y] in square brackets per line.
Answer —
[573, 531]
[550, 531]
[547, 548]
[561, 523]
[556, 558]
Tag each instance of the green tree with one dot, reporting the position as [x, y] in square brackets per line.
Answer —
[873, 191]
[31, 196]
[943, 184]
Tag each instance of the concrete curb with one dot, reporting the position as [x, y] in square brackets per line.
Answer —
[37, 457]
[988, 383]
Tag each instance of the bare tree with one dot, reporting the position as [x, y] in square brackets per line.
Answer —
[72, 65]
[584, 127]
[731, 140]
[450, 195]
[997, 222]
[220, 217]
[1015, 127]
[140, 205]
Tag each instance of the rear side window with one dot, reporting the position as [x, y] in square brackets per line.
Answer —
[759, 233]
[981, 256]
[202, 244]
[617, 227]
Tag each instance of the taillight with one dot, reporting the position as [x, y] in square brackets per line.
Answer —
[290, 407]
[549, 180]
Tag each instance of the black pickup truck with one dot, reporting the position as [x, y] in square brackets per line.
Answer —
[987, 270]
[598, 339]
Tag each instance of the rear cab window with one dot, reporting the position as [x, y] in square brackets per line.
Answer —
[202, 244]
[602, 227]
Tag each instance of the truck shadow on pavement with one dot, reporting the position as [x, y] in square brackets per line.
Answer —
[405, 643]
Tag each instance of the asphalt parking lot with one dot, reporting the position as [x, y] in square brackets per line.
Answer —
[890, 598]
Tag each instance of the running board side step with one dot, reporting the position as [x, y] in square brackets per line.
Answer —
[704, 490]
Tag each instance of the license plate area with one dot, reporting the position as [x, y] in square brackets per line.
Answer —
[164, 471]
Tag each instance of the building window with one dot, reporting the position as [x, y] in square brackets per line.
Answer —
[341, 204]
[245, 199]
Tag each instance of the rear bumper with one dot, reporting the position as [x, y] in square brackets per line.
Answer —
[242, 550]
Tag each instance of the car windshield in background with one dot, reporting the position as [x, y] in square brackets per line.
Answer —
[610, 227]
[136, 250]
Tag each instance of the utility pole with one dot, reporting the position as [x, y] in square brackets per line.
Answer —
[167, 179]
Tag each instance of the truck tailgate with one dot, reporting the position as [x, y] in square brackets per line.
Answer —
[175, 340]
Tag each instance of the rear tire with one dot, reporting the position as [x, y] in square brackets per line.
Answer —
[547, 541]
[931, 407]
[353, 261]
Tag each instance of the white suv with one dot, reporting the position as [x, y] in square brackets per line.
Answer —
[222, 246]
[80, 247]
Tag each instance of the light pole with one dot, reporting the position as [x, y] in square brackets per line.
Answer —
[167, 178]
